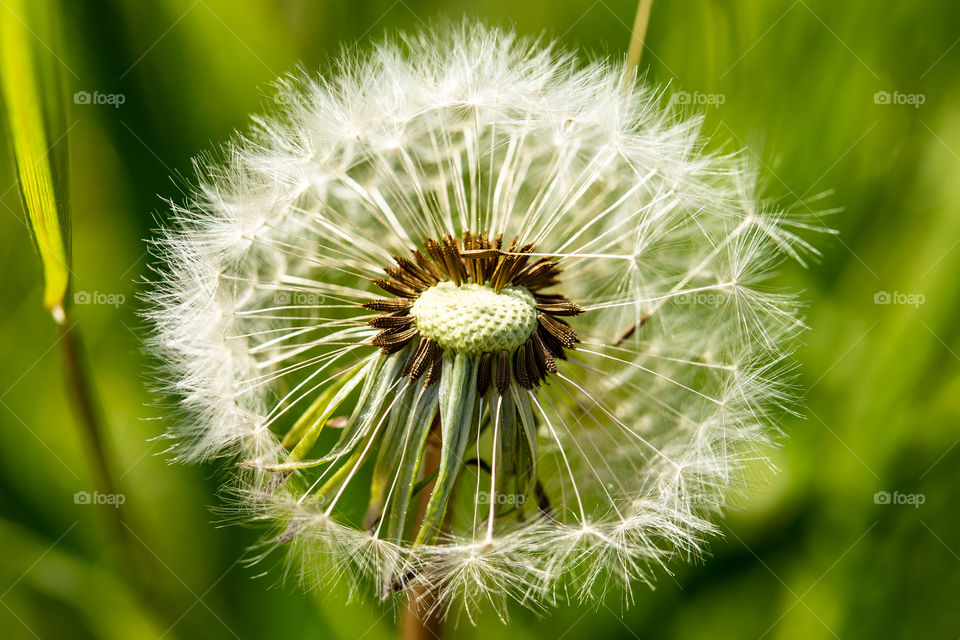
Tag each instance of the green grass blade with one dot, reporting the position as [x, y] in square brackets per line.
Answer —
[34, 114]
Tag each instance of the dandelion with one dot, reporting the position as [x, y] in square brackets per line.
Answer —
[476, 321]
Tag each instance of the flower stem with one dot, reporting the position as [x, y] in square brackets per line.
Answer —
[418, 622]
[85, 407]
[638, 35]
[87, 414]
[421, 619]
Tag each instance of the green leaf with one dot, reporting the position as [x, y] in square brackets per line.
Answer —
[31, 88]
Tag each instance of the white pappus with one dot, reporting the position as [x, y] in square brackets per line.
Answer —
[471, 316]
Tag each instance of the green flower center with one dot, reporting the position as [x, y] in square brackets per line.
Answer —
[473, 318]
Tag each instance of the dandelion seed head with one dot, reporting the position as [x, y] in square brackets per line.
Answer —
[477, 321]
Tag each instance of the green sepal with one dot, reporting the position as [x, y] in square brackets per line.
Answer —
[391, 450]
[526, 441]
[458, 395]
[316, 418]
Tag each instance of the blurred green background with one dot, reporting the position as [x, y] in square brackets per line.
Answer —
[824, 93]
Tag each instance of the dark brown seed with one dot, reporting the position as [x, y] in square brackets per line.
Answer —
[428, 267]
[502, 381]
[559, 329]
[554, 346]
[536, 265]
[436, 364]
[530, 363]
[393, 340]
[388, 305]
[487, 264]
[477, 254]
[470, 266]
[399, 584]
[391, 322]
[541, 273]
[543, 354]
[498, 279]
[484, 373]
[520, 372]
[435, 249]
[451, 257]
[550, 298]
[561, 309]
[629, 330]
[404, 278]
[416, 271]
[519, 262]
[535, 368]
[397, 288]
[418, 362]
